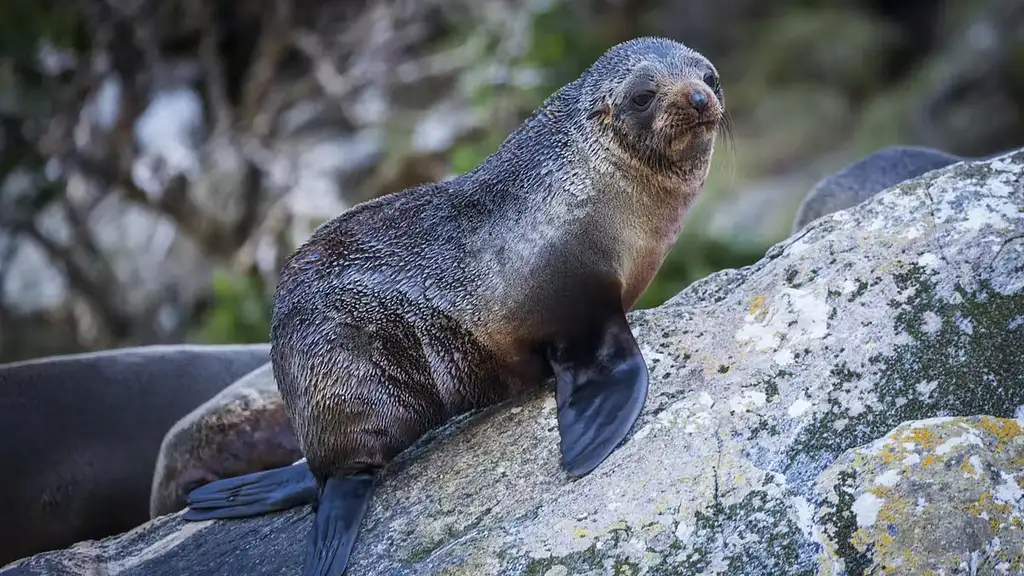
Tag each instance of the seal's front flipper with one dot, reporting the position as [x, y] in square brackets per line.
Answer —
[602, 386]
[253, 494]
[342, 507]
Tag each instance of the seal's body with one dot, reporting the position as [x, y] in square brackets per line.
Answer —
[243, 429]
[860, 180]
[421, 305]
[81, 434]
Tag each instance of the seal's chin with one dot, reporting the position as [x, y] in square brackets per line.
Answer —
[695, 133]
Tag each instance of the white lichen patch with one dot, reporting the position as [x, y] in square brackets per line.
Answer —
[976, 468]
[914, 232]
[799, 407]
[747, 400]
[798, 246]
[784, 357]
[995, 214]
[889, 478]
[803, 515]
[925, 389]
[795, 317]
[866, 508]
[931, 322]
[929, 261]
[947, 446]
[974, 206]
[1009, 491]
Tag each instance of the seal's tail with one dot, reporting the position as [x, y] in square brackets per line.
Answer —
[341, 510]
[253, 494]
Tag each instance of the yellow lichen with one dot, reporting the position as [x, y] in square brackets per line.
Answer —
[890, 453]
[994, 525]
[861, 539]
[882, 492]
[967, 468]
[978, 507]
[884, 541]
[755, 306]
[927, 461]
[894, 510]
[1003, 429]
[581, 533]
[925, 437]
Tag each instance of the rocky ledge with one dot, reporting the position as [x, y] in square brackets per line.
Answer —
[844, 406]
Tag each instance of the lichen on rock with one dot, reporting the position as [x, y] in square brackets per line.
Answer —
[905, 308]
[935, 496]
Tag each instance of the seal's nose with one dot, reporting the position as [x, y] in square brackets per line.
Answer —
[698, 99]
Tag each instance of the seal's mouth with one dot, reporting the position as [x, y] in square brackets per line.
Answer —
[708, 123]
[696, 131]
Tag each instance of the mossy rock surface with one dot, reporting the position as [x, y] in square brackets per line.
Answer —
[763, 379]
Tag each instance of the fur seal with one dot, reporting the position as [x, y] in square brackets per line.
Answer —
[862, 179]
[423, 304]
[243, 429]
[82, 433]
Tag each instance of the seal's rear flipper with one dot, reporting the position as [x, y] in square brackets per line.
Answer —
[338, 516]
[253, 494]
[602, 386]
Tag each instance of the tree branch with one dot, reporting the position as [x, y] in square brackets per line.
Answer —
[103, 296]
[274, 43]
[209, 55]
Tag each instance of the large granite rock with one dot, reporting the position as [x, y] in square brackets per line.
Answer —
[758, 447]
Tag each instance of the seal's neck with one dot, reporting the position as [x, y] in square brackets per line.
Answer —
[575, 188]
[642, 211]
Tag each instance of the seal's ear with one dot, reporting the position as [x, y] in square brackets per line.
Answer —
[601, 111]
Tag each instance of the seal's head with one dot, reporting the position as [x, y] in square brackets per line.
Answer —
[243, 429]
[654, 103]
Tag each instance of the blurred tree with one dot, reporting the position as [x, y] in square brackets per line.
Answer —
[159, 159]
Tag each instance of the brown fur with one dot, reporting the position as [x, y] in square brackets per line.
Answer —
[412, 308]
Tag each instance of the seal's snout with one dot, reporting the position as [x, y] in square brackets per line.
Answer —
[692, 104]
[698, 99]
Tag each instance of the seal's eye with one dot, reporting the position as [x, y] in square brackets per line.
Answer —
[711, 79]
[643, 100]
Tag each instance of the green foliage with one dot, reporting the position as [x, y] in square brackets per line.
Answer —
[240, 311]
[23, 24]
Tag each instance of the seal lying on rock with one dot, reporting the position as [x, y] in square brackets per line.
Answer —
[82, 433]
[243, 429]
[417, 306]
[860, 180]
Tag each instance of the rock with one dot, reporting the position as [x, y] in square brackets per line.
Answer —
[907, 307]
[939, 496]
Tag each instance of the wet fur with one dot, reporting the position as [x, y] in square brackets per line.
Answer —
[243, 429]
[81, 435]
[412, 308]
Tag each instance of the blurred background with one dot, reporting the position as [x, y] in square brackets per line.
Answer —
[158, 160]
